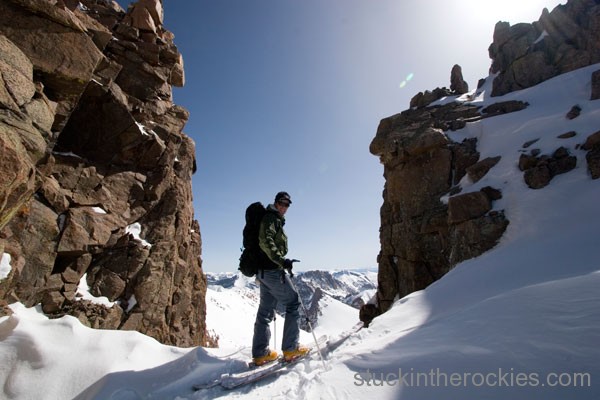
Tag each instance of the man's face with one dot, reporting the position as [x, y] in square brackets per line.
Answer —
[282, 207]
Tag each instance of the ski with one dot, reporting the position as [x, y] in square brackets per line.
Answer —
[217, 381]
[234, 380]
[253, 374]
[250, 368]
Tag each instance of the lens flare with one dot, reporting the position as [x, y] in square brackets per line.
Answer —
[405, 81]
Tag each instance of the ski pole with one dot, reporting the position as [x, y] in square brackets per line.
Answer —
[275, 329]
[306, 315]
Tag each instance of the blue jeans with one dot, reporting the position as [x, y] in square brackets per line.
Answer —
[275, 288]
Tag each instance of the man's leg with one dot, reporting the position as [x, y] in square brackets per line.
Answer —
[291, 330]
[264, 316]
[280, 288]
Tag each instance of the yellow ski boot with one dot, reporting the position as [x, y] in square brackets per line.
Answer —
[267, 358]
[291, 355]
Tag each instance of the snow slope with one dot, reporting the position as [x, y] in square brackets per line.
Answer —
[230, 313]
[521, 321]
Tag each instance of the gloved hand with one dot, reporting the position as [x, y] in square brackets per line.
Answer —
[289, 264]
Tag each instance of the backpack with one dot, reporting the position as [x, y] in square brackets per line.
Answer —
[252, 256]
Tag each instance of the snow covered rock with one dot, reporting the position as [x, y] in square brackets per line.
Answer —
[434, 216]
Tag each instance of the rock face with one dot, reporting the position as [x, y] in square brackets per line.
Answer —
[563, 40]
[95, 170]
[422, 237]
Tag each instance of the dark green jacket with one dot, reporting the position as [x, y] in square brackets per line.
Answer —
[272, 238]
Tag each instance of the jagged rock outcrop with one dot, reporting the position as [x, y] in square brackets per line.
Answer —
[95, 170]
[422, 237]
[563, 40]
[458, 86]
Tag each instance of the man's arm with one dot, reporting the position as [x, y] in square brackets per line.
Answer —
[266, 240]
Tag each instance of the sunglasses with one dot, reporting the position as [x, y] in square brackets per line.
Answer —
[283, 204]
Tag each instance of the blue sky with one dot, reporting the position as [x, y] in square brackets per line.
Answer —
[288, 94]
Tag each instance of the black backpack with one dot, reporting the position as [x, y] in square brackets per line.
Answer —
[252, 257]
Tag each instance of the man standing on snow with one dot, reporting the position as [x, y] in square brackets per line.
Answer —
[274, 288]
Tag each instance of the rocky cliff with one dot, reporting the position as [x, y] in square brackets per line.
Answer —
[95, 170]
[427, 224]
